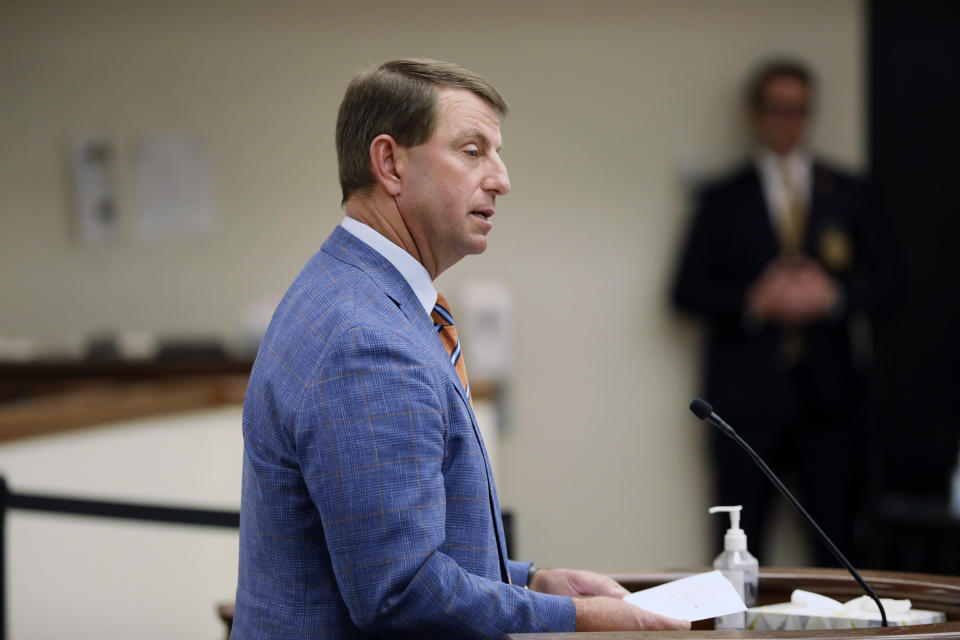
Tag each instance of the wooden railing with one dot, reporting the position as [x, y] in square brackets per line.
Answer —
[44, 398]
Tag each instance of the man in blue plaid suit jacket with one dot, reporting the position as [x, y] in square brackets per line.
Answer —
[369, 507]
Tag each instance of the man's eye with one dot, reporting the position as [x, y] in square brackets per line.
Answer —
[473, 153]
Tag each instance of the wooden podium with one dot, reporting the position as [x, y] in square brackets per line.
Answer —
[925, 591]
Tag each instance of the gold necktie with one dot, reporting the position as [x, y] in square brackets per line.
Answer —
[795, 226]
[792, 344]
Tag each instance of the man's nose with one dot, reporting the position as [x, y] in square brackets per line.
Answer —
[499, 180]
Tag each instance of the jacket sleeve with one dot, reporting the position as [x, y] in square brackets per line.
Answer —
[700, 284]
[519, 572]
[370, 443]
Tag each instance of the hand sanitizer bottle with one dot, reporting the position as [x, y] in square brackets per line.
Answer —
[738, 566]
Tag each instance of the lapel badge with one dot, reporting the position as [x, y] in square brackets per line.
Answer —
[835, 249]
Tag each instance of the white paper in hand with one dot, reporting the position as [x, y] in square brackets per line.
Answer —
[705, 595]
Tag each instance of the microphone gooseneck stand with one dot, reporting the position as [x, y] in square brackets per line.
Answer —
[703, 410]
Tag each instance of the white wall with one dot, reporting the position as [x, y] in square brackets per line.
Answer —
[611, 102]
[84, 577]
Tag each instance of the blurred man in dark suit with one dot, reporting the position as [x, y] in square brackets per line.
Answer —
[780, 255]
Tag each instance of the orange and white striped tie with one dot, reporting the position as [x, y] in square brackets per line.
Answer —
[443, 323]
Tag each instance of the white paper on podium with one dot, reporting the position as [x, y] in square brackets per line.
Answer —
[705, 595]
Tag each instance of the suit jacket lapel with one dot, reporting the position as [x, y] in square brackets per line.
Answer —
[821, 188]
[346, 247]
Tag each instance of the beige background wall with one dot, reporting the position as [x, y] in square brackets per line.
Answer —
[613, 103]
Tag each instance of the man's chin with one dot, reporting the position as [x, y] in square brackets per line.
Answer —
[479, 245]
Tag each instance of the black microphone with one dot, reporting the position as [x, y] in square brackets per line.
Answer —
[702, 409]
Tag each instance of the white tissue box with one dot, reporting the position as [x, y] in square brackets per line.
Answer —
[790, 617]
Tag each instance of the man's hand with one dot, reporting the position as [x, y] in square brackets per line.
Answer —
[612, 614]
[575, 582]
[792, 292]
[605, 610]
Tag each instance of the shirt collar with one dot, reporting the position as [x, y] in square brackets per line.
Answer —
[412, 271]
[797, 163]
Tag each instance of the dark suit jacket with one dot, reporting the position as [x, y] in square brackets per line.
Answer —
[368, 504]
[731, 240]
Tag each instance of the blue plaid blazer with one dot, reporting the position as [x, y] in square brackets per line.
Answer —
[368, 507]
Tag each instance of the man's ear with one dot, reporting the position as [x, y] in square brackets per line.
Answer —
[386, 163]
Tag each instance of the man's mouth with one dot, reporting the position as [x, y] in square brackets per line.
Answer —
[483, 213]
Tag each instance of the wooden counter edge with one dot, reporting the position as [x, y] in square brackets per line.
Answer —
[940, 631]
